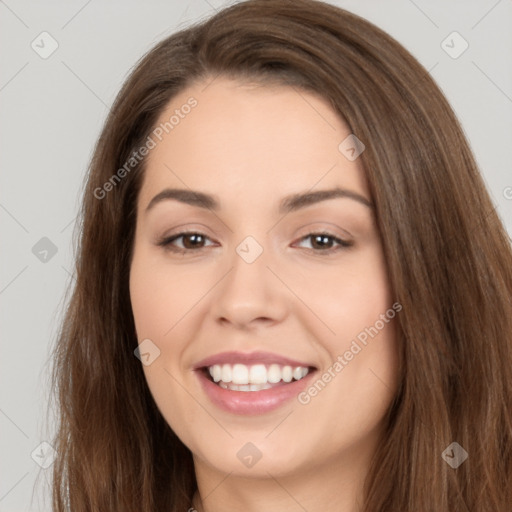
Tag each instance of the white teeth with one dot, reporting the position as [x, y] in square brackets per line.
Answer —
[240, 377]
[244, 387]
[216, 372]
[240, 374]
[274, 373]
[258, 374]
[287, 374]
[227, 374]
[297, 373]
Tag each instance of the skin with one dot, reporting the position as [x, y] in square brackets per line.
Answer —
[250, 146]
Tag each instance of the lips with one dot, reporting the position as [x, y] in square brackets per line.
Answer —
[252, 383]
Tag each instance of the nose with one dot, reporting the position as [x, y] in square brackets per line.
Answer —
[250, 294]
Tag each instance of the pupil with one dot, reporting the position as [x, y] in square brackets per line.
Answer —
[321, 240]
[194, 240]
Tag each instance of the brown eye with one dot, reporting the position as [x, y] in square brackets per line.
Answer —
[190, 241]
[325, 242]
[321, 241]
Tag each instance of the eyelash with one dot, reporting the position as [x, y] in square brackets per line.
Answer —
[167, 242]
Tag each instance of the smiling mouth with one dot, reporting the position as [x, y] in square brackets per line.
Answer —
[256, 377]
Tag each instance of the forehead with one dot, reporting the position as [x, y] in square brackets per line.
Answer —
[248, 142]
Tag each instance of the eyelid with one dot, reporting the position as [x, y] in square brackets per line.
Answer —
[185, 229]
[320, 228]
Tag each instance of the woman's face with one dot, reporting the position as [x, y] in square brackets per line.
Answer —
[279, 290]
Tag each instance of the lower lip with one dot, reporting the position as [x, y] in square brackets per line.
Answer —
[252, 402]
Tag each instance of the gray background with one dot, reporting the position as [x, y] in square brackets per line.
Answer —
[52, 110]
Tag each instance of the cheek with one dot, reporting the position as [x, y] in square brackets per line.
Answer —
[369, 378]
[346, 297]
[161, 300]
[354, 389]
[161, 296]
[355, 302]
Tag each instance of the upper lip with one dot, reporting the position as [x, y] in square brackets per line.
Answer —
[249, 358]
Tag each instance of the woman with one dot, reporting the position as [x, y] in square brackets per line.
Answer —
[293, 291]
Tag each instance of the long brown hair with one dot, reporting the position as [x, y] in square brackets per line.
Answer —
[449, 260]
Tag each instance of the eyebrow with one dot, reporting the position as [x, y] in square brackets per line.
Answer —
[288, 204]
